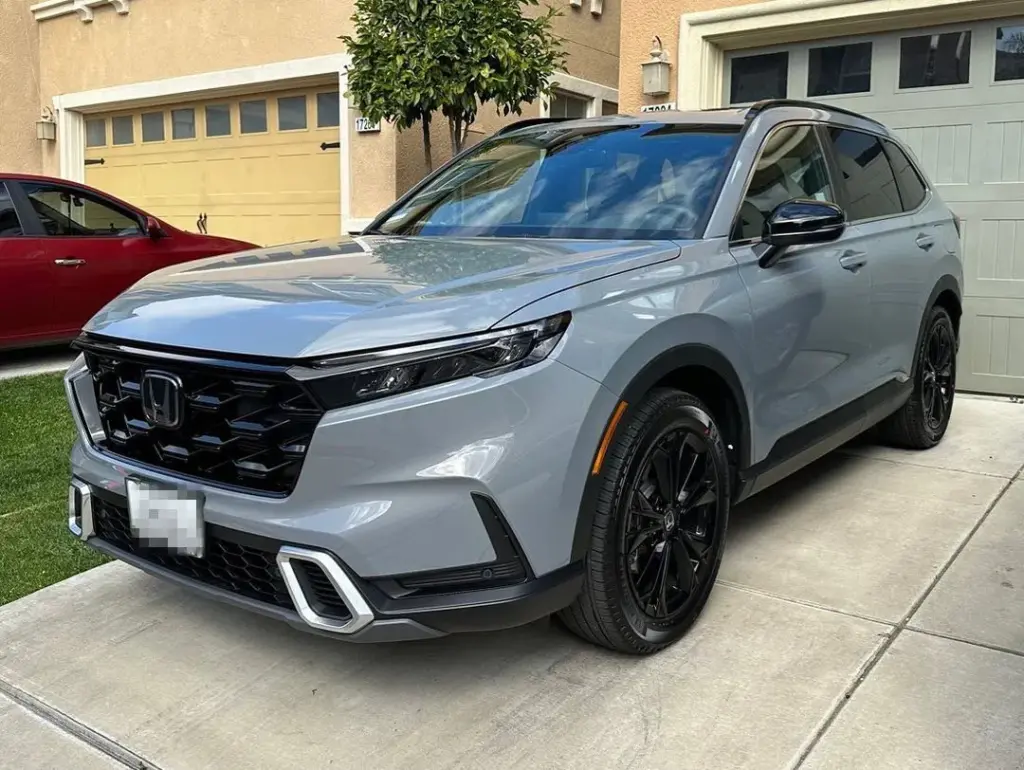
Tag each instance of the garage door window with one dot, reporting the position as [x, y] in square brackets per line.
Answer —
[870, 183]
[152, 126]
[66, 212]
[253, 116]
[839, 69]
[935, 60]
[291, 113]
[1010, 53]
[123, 128]
[327, 110]
[95, 132]
[183, 124]
[792, 165]
[765, 76]
[912, 188]
[218, 120]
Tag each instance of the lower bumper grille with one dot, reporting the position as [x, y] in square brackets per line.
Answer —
[229, 565]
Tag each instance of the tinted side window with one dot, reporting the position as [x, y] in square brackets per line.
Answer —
[67, 211]
[911, 186]
[9, 224]
[791, 165]
[870, 183]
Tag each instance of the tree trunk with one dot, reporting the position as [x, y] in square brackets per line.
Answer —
[455, 133]
[427, 156]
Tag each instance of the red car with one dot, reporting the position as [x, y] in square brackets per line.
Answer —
[67, 249]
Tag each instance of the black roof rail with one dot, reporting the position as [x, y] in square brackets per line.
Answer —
[766, 104]
[527, 122]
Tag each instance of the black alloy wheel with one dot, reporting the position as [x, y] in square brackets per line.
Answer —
[658, 526]
[922, 421]
[669, 525]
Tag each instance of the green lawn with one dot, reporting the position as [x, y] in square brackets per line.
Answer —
[36, 432]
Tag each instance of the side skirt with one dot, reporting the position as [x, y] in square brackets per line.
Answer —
[814, 440]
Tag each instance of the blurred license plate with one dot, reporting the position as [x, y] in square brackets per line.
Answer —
[166, 517]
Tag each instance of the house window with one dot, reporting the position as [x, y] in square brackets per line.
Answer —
[839, 69]
[152, 126]
[565, 105]
[1010, 53]
[253, 116]
[764, 76]
[183, 124]
[935, 60]
[123, 127]
[609, 108]
[96, 132]
[218, 120]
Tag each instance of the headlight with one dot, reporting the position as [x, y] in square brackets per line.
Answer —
[345, 380]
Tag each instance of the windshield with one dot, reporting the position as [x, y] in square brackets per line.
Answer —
[640, 181]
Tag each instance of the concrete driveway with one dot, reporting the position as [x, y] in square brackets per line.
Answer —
[870, 614]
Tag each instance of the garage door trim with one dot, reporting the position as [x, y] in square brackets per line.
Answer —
[71, 109]
[705, 36]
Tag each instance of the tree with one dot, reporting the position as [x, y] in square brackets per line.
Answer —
[414, 58]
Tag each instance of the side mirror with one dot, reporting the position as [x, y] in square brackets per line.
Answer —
[797, 223]
[153, 228]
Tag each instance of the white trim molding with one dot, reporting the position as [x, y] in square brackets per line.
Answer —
[51, 9]
[71, 109]
[705, 36]
[594, 93]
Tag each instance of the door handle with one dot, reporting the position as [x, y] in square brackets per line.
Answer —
[69, 262]
[853, 260]
[925, 241]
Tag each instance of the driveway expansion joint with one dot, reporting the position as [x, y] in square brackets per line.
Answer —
[76, 729]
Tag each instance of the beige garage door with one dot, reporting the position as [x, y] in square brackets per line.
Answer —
[956, 95]
[250, 167]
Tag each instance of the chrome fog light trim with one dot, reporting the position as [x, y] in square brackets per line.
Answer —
[362, 615]
[80, 509]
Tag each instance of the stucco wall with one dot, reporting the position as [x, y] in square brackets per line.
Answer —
[19, 88]
[647, 18]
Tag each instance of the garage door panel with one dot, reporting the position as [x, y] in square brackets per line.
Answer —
[267, 188]
[969, 138]
[992, 351]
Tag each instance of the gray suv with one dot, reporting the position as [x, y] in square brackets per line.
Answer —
[537, 384]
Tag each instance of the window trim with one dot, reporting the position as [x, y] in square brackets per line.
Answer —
[829, 170]
[841, 43]
[106, 140]
[195, 123]
[206, 123]
[142, 126]
[881, 138]
[305, 104]
[913, 32]
[743, 53]
[266, 116]
[36, 223]
[134, 141]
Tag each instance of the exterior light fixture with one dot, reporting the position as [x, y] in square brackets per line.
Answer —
[46, 126]
[656, 71]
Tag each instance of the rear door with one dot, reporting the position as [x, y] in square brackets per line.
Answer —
[26, 309]
[95, 248]
[894, 243]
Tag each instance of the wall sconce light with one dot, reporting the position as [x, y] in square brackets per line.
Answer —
[46, 126]
[656, 70]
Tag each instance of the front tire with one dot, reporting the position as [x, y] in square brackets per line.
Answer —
[922, 421]
[659, 527]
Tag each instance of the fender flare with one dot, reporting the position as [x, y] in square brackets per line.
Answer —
[689, 354]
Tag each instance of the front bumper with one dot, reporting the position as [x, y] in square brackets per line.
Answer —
[360, 611]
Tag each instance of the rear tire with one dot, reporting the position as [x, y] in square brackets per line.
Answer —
[659, 527]
[922, 421]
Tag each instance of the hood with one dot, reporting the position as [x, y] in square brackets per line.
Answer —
[338, 296]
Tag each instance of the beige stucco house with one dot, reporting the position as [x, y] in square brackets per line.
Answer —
[946, 75]
[234, 109]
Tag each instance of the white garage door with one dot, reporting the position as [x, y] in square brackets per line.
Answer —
[956, 95]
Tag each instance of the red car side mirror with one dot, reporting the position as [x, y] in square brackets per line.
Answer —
[153, 228]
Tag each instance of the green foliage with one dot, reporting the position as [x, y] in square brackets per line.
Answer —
[413, 58]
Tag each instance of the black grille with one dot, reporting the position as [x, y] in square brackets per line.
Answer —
[320, 591]
[232, 566]
[240, 429]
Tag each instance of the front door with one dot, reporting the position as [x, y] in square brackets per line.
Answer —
[812, 309]
[95, 249]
